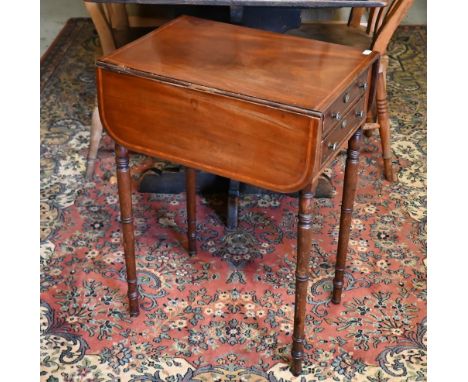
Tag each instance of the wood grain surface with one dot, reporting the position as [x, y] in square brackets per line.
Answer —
[266, 66]
[262, 146]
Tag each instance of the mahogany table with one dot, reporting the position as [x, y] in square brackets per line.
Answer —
[257, 107]
[275, 15]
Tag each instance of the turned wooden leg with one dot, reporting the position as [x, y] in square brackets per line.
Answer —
[190, 180]
[384, 122]
[304, 246]
[349, 190]
[126, 217]
[96, 134]
[233, 204]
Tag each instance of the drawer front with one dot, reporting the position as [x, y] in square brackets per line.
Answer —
[340, 107]
[342, 131]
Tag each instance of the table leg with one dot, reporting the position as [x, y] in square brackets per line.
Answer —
[304, 247]
[190, 181]
[126, 217]
[349, 190]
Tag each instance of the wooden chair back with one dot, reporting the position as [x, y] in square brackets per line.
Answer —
[116, 15]
[381, 22]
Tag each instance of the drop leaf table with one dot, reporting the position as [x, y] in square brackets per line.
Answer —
[257, 107]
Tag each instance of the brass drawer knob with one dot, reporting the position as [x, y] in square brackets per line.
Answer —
[362, 85]
[344, 123]
[332, 146]
[336, 116]
[346, 98]
[360, 114]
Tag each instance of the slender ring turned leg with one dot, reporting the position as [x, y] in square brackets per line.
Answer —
[126, 217]
[349, 190]
[304, 247]
[96, 134]
[384, 123]
[190, 180]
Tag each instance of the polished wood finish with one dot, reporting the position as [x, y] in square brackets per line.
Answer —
[285, 71]
[238, 82]
[112, 24]
[191, 179]
[346, 127]
[336, 112]
[304, 247]
[125, 198]
[165, 103]
[381, 24]
[349, 191]
[238, 133]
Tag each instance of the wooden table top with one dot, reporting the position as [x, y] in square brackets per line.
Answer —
[273, 3]
[285, 71]
[228, 99]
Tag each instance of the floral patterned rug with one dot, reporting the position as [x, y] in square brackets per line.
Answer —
[226, 314]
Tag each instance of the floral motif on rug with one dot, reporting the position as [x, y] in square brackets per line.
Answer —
[226, 314]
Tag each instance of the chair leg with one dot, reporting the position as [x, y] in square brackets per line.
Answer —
[349, 191]
[125, 198]
[384, 122]
[95, 140]
[190, 180]
[304, 247]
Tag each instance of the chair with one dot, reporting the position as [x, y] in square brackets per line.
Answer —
[381, 24]
[106, 17]
[115, 28]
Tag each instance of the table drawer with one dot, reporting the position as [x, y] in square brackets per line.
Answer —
[340, 107]
[343, 130]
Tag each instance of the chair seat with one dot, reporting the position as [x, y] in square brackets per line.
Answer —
[334, 33]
